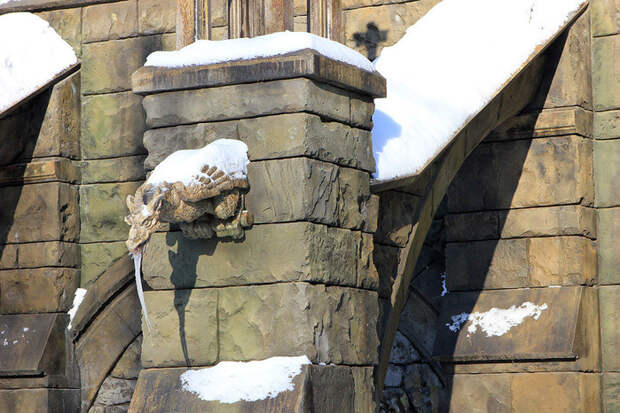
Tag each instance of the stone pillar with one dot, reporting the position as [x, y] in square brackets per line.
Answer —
[302, 281]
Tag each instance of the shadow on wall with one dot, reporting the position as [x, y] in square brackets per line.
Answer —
[184, 264]
[19, 132]
[370, 39]
[486, 181]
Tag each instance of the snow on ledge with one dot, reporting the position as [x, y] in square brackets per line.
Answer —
[80, 293]
[205, 52]
[228, 155]
[447, 67]
[31, 55]
[496, 321]
[230, 381]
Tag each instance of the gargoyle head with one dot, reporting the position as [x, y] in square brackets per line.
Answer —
[144, 210]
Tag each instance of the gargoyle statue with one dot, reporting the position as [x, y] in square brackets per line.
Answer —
[202, 190]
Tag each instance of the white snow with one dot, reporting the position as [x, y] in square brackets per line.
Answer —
[205, 52]
[496, 321]
[447, 67]
[184, 166]
[230, 382]
[80, 293]
[31, 54]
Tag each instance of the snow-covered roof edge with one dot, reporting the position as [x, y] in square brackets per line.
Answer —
[34, 59]
[206, 52]
[432, 146]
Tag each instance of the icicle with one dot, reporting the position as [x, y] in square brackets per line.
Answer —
[137, 263]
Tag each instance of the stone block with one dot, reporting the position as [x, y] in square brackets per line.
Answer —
[112, 125]
[570, 314]
[546, 221]
[185, 328]
[607, 173]
[369, 29]
[487, 264]
[473, 226]
[102, 209]
[309, 190]
[129, 168]
[247, 100]
[107, 66]
[518, 263]
[156, 16]
[96, 258]
[519, 223]
[113, 392]
[385, 258]
[607, 124]
[330, 324]
[48, 126]
[68, 24]
[298, 251]
[488, 393]
[129, 365]
[569, 84]
[363, 379]
[417, 323]
[605, 16]
[42, 290]
[110, 21]
[609, 297]
[610, 392]
[555, 392]
[609, 245]
[39, 254]
[561, 261]
[524, 173]
[398, 214]
[271, 137]
[326, 389]
[606, 72]
[40, 400]
[39, 212]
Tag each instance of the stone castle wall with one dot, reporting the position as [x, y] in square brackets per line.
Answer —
[505, 206]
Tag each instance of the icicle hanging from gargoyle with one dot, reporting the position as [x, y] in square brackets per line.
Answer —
[202, 190]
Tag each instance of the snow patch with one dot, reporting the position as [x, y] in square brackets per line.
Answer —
[80, 293]
[229, 155]
[496, 321]
[205, 52]
[444, 288]
[230, 382]
[33, 56]
[447, 67]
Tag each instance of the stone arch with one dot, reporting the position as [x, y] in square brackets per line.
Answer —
[107, 324]
[420, 195]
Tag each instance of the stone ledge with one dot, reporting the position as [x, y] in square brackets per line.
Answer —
[546, 123]
[305, 63]
[39, 171]
[160, 390]
[31, 5]
[570, 325]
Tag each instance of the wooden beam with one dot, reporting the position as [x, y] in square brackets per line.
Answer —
[325, 18]
[250, 18]
[192, 21]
